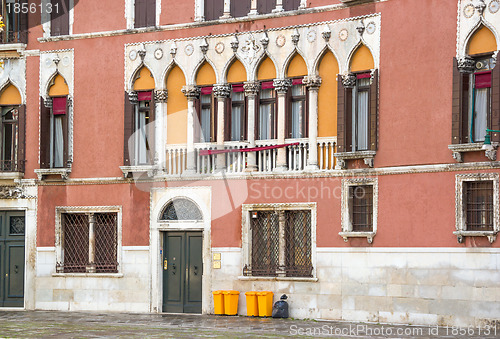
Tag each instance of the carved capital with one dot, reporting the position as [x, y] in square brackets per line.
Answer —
[161, 95]
[251, 88]
[47, 102]
[191, 92]
[222, 91]
[132, 97]
[312, 81]
[281, 85]
[349, 80]
[466, 65]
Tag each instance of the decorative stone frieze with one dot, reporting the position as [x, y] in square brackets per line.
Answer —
[11, 192]
[222, 91]
[251, 88]
[235, 43]
[480, 6]
[281, 85]
[265, 40]
[161, 95]
[295, 37]
[361, 28]
[191, 92]
[173, 49]
[204, 46]
[327, 33]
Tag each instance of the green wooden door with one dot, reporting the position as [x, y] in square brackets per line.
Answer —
[12, 229]
[182, 272]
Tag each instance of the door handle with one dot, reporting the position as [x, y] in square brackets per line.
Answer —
[165, 265]
[173, 268]
[195, 270]
[16, 269]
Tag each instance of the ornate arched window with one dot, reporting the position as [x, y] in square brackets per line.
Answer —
[181, 210]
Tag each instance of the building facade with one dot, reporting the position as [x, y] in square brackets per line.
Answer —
[341, 152]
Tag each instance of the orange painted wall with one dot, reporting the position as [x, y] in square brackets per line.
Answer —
[205, 75]
[362, 60]
[482, 41]
[59, 86]
[267, 70]
[327, 97]
[176, 108]
[236, 72]
[144, 80]
[10, 96]
[297, 67]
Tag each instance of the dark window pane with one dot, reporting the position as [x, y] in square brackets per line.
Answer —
[361, 200]
[479, 205]
[17, 225]
[181, 209]
[106, 242]
[76, 242]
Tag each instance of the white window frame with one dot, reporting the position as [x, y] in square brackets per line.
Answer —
[460, 215]
[247, 236]
[86, 210]
[346, 222]
[46, 23]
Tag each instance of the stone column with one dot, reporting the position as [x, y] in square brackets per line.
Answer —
[251, 91]
[312, 83]
[221, 92]
[160, 97]
[92, 267]
[281, 87]
[253, 8]
[192, 93]
[303, 4]
[279, 6]
[227, 9]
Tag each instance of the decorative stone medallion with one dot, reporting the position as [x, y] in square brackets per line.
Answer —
[343, 34]
[219, 48]
[189, 49]
[158, 53]
[371, 27]
[494, 6]
[311, 36]
[132, 55]
[469, 10]
[66, 61]
[280, 40]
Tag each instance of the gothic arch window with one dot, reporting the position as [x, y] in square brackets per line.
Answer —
[181, 209]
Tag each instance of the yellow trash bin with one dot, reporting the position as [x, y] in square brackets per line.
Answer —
[252, 306]
[265, 303]
[218, 302]
[231, 302]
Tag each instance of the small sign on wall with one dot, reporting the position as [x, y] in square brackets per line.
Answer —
[217, 261]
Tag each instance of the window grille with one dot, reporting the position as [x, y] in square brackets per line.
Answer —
[479, 205]
[361, 208]
[281, 243]
[89, 243]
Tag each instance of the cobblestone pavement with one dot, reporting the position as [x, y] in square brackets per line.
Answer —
[41, 324]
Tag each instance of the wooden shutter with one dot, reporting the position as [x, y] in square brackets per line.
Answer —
[23, 24]
[288, 114]
[290, 5]
[214, 9]
[21, 138]
[65, 125]
[374, 112]
[152, 130]
[265, 6]
[150, 13]
[228, 112]
[44, 134]
[129, 113]
[341, 123]
[197, 119]
[240, 8]
[139, 13]
[495, 103]
[306, 115]
[460, 106]
[59, 18]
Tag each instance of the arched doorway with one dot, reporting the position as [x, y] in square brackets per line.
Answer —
[182, 256]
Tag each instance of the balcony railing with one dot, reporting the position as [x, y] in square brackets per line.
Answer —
[13, 37]
[297, 156]
[12, 166]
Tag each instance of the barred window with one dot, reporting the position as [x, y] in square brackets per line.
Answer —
[479, 205]
[89, 243]
[280, 243]
[361, 208]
